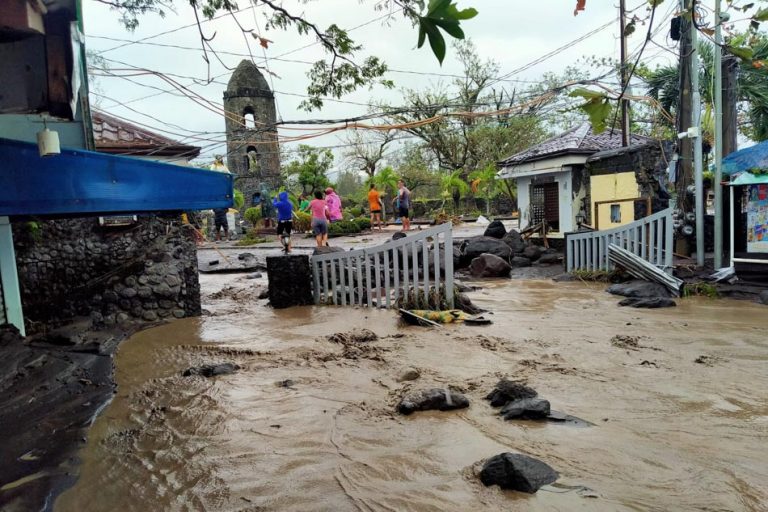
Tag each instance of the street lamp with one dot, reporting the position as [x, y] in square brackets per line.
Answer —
[580, 218]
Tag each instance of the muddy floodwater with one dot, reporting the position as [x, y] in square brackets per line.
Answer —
[677, 399]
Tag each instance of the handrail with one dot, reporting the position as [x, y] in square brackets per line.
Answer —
[402, 267]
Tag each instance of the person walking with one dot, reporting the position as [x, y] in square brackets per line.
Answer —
[404, 204]
[320, 217]
[220, 222]
[374, 201]
[284, 209]
[334, 205]
[304, 202]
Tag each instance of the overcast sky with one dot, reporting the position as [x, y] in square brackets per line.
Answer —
[511, 32]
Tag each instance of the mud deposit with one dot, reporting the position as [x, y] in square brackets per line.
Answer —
[308, 423]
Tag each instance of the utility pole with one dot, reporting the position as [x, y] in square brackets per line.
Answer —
[718, 138]
[685, 148]
[698, 172]
[625, 135]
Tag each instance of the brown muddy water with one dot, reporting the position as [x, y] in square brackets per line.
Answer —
[669, 433]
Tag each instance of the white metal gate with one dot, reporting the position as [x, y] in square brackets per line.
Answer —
[649, 238]
[420, 263]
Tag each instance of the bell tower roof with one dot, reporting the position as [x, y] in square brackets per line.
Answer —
[247, 80]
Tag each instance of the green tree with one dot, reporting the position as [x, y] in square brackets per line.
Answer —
[308, 171]
[453, 185]
[485, 181]
[341, 72]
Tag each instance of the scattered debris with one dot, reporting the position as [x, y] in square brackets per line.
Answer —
[626, 341]
[409, 374]
[517, 472]
[441, 399]
[211, 370]
[642, 269]
[654, 303]
[353, 336]
[213, 262]
[255, 275]
[508, 391]
[707, 360]
[287, 383]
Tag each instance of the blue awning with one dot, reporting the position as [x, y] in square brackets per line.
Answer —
[84, 182]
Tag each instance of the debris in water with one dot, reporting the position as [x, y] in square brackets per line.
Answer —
[287, 383]
[507, 391]
[409, 374]
[625, 341]
[517, 472]
[211, 370]
[441, 399]
[707, 360]
[654, 303]
[213, 262]
[353, 336]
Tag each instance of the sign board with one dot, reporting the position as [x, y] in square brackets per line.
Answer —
[757, 218]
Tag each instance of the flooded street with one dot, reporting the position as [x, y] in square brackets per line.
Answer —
[308, 424]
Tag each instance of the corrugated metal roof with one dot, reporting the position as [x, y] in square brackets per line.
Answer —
[580, 140]
[118, 137]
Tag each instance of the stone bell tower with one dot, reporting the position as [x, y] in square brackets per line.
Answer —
[252, 149]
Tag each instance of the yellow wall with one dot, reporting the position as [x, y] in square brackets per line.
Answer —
[606, 187]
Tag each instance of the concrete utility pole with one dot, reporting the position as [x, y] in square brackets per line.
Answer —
[684, 145]
[625, 134]
[718, 138]
[698, 173]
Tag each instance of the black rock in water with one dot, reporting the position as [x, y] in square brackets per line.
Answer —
[517, 472]
[639, 289]
[245, 256]
[440, 399]
[508, 391]
[485, 245]
[515, 241]
[212, 370]
[550, 257]
[530, 408]
[520, 261]
[495, 230]
[398, 235]
[488, 265]
[533, 252]
[763, 297]
[654, 303]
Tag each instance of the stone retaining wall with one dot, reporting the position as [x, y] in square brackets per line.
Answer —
[74, 267]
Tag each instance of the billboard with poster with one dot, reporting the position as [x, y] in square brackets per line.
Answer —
[757, 218]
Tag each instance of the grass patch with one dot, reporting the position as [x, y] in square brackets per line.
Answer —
[701, 289]
[249, 240]
[598, 276]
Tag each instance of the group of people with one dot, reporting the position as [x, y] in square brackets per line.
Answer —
[326, 209]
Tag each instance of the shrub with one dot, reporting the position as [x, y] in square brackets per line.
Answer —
[343, 227]
[253, 214]
[363, 223]
[238, 199]
[302, 222]
[356, 211]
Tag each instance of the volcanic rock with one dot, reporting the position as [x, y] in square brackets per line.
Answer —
[495, 230]
[488, 265]
[533, 252]
[515, 241]
[211, 370]
[441, 399]
[508, 391]
[517, 472]
[639, 289]
[486, 245]
[520, 261]
[530, 408]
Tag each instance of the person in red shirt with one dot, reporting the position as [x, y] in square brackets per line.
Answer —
[320, 217]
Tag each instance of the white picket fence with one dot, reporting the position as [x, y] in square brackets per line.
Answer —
[649, 238]
[378, 276]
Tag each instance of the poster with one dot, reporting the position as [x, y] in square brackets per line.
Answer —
[757, 218]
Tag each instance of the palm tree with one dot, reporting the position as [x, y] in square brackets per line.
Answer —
[452, 185]
[664, 85]
[485, 180]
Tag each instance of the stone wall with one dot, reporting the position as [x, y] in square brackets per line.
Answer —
[74, 267]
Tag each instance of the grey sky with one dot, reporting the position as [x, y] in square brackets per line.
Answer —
[511, 32]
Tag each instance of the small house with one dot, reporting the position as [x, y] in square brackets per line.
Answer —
[583, 178]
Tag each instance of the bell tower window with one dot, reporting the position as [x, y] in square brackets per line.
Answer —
[249, 120]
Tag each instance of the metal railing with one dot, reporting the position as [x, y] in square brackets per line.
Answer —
[420, 265]
[649, 238]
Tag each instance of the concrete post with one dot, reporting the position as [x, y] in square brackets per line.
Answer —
[10, 277]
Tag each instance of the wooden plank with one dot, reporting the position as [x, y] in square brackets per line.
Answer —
[396, 272]
[360, 287]
[415, 263]
[406, 275]
[325, 282]
[425, 265]
[368, 278]
[342, 262]
[668, 243]
[351, 278]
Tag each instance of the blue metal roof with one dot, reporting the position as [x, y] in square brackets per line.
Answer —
[85, 182]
